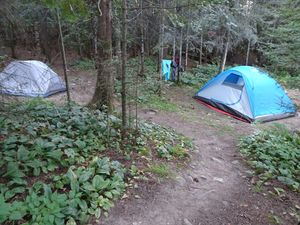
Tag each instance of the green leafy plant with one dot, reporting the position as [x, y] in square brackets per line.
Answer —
[83, 64]
[274, 153]
[161, 170]
[198, 76]
[53, 164]
[156, 102]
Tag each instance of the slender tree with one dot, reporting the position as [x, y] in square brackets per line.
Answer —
[142, 39]
[123, 70]
[161, 36]
[63, 54]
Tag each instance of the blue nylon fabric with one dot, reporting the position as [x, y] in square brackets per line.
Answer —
[265, 95]
[166, 69]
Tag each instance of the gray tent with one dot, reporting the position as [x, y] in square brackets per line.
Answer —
[30, 78]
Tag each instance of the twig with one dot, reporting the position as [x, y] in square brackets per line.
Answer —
[99, 9]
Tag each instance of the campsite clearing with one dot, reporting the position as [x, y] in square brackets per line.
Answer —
[215, 187]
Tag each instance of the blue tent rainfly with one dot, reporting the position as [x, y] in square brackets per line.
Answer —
[247, 93]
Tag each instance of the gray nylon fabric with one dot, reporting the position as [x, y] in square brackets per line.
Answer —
[236, 98]
[30, 78]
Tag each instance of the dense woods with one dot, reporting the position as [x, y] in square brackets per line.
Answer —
[250, 32]
[80, 159]
[262, 33]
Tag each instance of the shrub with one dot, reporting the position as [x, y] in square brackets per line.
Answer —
[274, 153]
[199, 75]
[84, 64]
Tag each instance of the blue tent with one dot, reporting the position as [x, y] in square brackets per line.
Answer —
[166, 69]
[247, 93]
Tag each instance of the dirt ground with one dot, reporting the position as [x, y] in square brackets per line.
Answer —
[215, 187]
[82, 86]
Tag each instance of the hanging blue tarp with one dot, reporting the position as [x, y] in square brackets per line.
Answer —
[166, 69]
[248, 93]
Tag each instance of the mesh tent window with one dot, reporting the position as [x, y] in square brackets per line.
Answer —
[234, 81]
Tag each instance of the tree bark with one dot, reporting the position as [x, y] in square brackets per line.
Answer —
[186, 54]
[174, 46]
[13, 41]
[95, 34]
[187, 38]
[37, 40]
[248, 52]
[201, 49]
[45, 37]
[79, 45]
[142, 40]
[224, 58]
[180, 56]
[119, 57]
[104, 86]
[124, 60]
[162, 27]
[147, 41]
[63, 54]
[174, 38]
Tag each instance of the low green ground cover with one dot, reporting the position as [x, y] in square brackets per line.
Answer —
[274, 153]
[57, 164]
[198, 76]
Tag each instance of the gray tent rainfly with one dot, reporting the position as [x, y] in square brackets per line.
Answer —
[30, 78]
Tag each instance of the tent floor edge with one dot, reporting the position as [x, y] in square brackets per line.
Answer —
[218, 107]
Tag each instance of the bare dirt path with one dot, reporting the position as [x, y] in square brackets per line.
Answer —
[213, 189]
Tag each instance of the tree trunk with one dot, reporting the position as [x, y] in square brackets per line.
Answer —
[186, 55]
[124, 59]
[187, 38]
[201, 49]
[142, 71]
[147, 41]
[95, 34]
[37, 38]
[180, 57]
[119, 57]
[174, 46]
[224, 58]
[79, 47]
[45, 37]
[174, 38]
[104, 85]
[13, 41]
[63, 54]
[161, 44]
[248, 52]
[142, 40]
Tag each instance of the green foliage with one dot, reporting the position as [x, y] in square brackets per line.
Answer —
[160, 103]
[84, 64]
[199, 75]
[90, 190]
[167, 143]
[147, 86]
[274, 153]
[293, 82]
[52, 165]
[162, 170]
[284, 78]
[281, 43]
[71, 10]
[178, 151]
